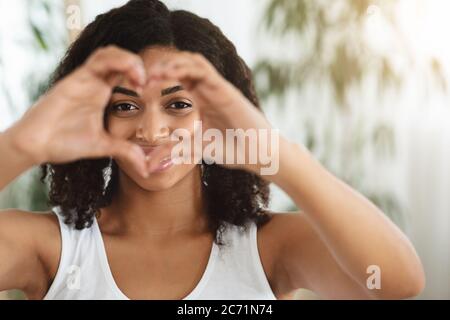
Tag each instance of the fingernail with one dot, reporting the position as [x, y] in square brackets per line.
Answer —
[141, 73]
[142, 77]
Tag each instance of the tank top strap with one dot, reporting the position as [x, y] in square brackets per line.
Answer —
[79, 273]
[239, 272]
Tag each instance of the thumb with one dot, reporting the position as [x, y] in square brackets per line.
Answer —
[128, 151]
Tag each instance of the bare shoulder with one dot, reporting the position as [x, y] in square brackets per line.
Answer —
[38, 230]
[44, 223]
[35, 236]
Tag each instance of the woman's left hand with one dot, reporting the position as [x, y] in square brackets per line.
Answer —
[222, 105]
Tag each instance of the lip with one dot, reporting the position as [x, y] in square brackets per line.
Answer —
[164, 164]
[162, 152]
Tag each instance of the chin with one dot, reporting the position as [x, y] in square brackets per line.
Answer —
[158, 182]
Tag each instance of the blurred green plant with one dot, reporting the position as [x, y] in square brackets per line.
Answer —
[46, 44]
[46, 21]
[43, 18]
[332, 47]
[325, 45]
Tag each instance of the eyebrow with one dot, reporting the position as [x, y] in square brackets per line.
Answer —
[171, 90]
[132, 93]
[125, 91]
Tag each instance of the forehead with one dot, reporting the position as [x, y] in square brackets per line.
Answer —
[153, 55]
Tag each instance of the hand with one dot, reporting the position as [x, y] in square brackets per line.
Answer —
[222, 106]
[66, 124]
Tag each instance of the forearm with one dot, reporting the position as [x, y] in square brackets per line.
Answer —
[12, 161]
[356, 232]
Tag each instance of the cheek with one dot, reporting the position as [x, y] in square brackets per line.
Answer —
[120, 129]
[187, 122]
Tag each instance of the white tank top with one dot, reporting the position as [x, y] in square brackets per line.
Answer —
[233, 271]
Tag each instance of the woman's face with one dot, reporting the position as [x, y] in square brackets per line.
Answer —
[149, 120]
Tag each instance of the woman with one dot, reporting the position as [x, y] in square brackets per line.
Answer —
[130, 222]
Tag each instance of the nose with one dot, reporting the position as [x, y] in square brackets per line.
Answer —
[153, 128]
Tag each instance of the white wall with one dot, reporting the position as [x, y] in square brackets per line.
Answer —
[428, 189]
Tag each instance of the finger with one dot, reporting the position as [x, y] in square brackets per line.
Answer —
[125, 150]
[109, 62]
[187, 72]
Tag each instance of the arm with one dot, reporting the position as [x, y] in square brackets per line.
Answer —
[26, 241]
[65, 125]
[304, 262]
[348, 233]
[345, 235]
[19, 262]
[12, 162]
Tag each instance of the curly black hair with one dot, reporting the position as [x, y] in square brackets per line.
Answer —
[79, 188]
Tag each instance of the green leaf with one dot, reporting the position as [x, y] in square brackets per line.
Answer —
[39, 37]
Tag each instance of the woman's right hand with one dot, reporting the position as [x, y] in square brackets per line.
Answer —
[66, 124]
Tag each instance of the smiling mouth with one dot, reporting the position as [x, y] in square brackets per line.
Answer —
[158, 152]
[164, 164]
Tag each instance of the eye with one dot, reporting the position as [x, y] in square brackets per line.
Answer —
[124, 107]
[179, 105]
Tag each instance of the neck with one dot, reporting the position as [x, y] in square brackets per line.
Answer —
[178, 209]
